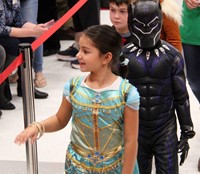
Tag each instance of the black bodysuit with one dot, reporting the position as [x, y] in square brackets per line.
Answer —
[158, 74]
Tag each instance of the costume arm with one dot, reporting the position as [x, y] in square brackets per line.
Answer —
[51, 124]
[182, 105]
[60, 119]
[181, 97]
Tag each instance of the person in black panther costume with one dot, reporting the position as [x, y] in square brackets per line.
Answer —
[156, 68]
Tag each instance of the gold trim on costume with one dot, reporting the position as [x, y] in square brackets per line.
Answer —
[94, 169]
[96, 158]
[95, 128]
[92, 105]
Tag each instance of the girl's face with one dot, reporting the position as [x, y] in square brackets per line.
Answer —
[89, 57]
[119, 17]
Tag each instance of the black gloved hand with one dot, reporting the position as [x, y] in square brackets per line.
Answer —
[183, 145]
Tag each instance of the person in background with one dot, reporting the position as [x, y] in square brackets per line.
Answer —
[13, 31]
[156, 69]
[103, 107]
[47, 10]
[29, 10]
[2, 63]
[172, 14]
[82, 19]
[170, 27]
[118, 11]
[104, 4]
[190, 36]
[67, 29]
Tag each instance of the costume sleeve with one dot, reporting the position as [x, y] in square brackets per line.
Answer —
[66, 91]
[181, 97]
[133, 98]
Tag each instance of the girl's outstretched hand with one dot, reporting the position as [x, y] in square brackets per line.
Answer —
[30, 132]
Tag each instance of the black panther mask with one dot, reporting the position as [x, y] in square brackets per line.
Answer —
[145, 22]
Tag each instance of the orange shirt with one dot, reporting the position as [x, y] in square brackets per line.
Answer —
[170, 31]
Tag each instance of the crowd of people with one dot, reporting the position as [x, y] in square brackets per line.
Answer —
[14, 29]
[125, 124]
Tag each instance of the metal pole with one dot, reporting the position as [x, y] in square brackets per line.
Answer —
[28, 105]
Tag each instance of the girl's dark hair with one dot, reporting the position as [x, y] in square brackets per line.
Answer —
[107, 39]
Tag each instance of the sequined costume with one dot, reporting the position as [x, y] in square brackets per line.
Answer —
[96, 145]
[156, 69]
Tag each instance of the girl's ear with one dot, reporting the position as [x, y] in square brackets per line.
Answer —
[107, 58]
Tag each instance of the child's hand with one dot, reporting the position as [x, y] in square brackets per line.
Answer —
[30, 132]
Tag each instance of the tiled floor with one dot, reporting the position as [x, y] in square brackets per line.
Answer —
[52, 147]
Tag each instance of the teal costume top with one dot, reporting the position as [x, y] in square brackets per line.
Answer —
[97, 140]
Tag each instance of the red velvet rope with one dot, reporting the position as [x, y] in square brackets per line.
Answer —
[40, 40]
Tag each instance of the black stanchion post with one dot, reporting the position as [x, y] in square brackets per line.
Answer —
[28, 105]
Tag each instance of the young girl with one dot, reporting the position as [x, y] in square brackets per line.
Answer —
[104, 110]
